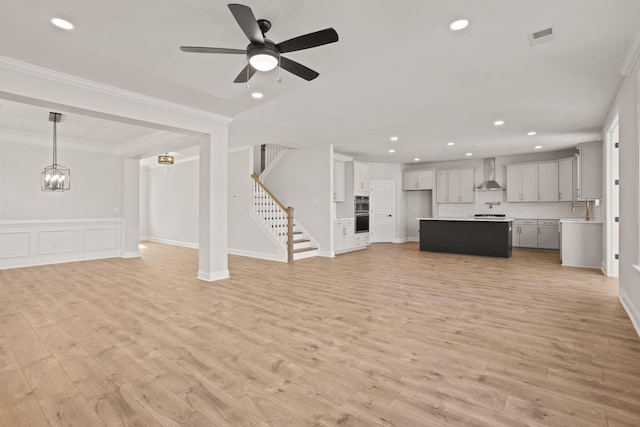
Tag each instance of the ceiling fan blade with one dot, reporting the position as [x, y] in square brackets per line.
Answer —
[245, 74]
[298, 69]
[197, 49]
[247, 22]
[307, 41]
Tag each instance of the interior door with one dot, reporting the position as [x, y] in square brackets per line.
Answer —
[381, 211]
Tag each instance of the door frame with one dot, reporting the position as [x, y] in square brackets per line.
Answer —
[610, 264]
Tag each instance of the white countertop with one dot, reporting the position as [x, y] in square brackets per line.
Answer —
[343, 219]
[467, 219]
[580, 221]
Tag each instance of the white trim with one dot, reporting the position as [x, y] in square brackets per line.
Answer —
[402, 240]
[631, 310]
[632, 56]
[34, 70]
[213, 276]
[413, 239]
[258, 255]
[174, 242]
[131, 254]
[326, 254]
[637, 267]
[238, 149]
[273, 163]
[342, 158]
[84, 221]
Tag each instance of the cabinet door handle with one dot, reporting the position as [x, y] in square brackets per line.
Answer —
[559, 196]
[539, 196]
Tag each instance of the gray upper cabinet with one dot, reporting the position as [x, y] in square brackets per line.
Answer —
[590, 175]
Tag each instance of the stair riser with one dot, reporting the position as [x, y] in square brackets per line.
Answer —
[303, 255]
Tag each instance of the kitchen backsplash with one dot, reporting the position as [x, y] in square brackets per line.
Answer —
[541, 210]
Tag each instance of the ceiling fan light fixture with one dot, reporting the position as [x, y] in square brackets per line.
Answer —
[263, 62]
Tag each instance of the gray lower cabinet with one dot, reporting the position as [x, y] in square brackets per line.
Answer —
[548, 234]
[536, 233]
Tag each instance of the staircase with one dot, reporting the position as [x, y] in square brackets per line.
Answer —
[279, 220]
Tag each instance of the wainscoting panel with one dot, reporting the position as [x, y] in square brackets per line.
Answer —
[57, 242]
[100, 238]
[14, 245]
[29, 243]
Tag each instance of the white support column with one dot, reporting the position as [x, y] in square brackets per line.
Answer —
[213, 263]
[131, 207]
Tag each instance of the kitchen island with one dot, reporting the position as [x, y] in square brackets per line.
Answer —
[471, 236]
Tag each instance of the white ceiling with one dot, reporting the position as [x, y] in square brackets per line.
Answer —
[397, 70]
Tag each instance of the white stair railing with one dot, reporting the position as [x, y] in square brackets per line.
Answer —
[277, 217]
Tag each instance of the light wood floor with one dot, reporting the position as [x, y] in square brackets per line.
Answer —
[388, 336]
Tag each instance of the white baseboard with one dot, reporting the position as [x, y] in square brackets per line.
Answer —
[57, 259]
[131, 254]
[174, 243]
[258, 255]
[631, 309]
[413, 239]
[326, 254]
[213, 276]
[402, 240]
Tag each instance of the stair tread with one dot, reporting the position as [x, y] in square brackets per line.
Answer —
[295, 251]
[301, 241]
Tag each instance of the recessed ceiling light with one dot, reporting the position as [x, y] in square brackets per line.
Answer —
[460, 24]
[469, 154]
[394, 138]
[451, 143]
[537, 147]
[392, 151]
[61, 23]
[416, 159]
[257, 95]
[498, 122]
[531, 133]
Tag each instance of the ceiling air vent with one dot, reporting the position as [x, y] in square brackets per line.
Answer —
[543, 36]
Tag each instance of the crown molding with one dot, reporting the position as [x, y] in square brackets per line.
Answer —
[68, 79]
[632, 56]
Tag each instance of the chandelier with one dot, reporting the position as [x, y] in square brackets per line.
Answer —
[55, 177]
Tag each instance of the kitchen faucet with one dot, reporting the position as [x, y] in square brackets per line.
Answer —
[585, 206]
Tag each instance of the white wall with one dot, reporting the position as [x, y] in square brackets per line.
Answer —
[392, 172]
[246, 236]
[96, 182]
[172, 197]
[627, 104]
[302, 179]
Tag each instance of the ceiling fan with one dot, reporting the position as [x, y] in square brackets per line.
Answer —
[262, 53]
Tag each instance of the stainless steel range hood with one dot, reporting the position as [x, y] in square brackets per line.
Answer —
[490, 183]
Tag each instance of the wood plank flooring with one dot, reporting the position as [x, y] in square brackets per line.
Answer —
[389, 336]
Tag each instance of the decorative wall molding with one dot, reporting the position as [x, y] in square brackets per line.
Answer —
[34, 70]
[29, 243]
[631, 310]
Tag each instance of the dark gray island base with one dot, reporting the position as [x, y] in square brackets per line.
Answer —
[467, 236]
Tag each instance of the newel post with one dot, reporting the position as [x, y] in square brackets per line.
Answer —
[289, 234]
